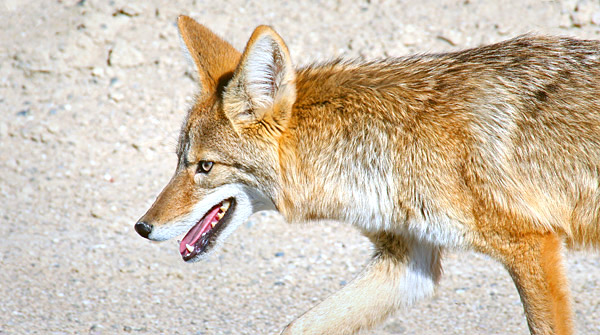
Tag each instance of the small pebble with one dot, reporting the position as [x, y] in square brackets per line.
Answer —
[116, 96]
[596, 18]
[98, 72]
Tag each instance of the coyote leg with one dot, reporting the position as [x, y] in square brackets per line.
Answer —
[401, 272]
[535, 264]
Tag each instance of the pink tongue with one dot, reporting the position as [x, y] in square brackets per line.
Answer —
[200, 228]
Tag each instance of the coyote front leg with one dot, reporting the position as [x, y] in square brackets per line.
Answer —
[401, 272]
[535, 263]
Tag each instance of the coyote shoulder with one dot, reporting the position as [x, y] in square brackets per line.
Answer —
[494, 149]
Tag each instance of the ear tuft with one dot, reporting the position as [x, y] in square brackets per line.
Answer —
[264, 71]
[266, 77]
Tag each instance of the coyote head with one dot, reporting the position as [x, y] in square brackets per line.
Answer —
[228, 146]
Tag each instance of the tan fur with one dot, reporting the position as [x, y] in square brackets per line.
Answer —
[494, 149]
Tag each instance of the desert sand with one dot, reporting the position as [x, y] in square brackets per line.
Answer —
[92, 94]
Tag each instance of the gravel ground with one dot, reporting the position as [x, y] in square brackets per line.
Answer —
[92, 94]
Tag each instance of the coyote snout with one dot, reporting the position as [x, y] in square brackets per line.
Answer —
[208, 218]
[494, 149]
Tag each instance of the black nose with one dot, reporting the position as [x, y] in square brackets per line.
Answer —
[143, 228]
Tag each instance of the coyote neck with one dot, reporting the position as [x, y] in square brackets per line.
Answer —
[362, 164]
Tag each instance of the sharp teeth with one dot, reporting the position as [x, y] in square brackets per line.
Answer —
[203, 234]
[220, 215]
[225, 205]
[214, 223]
[189, 248]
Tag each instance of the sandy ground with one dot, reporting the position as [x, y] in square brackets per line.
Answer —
[92, 94]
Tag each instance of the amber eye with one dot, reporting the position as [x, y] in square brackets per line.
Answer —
[204, 166]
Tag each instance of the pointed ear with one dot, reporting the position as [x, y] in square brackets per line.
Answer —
[263, 88]
[215, 59]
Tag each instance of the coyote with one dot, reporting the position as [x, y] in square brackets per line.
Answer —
[494, 149]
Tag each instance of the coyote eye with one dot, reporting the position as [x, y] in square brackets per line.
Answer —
[204, 166]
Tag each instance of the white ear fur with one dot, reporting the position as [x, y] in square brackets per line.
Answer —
[264, 85]
[267, 69]
[263, 72]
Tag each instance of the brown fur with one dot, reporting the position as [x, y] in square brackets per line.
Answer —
[494, 149]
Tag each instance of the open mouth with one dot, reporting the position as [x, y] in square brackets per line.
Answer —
[204, 233]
